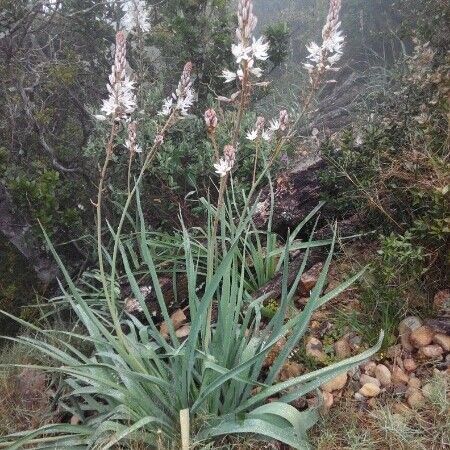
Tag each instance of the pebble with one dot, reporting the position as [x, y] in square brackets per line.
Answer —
[290, 370]
[328, 401]
[401, 408]
[399, 375]
[314, 349]
[383, 374]
[431, 351]
[342, 348]
[369, 368]
[414, 382]
[443, 340]
[405, 328]
[422, 336]
[395, 351]
[409, 365]
[364, 379]
[359, 397]
[369, 390]
[416, 400]
[336, 383]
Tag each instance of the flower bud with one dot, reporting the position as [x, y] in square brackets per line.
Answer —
[211, 120]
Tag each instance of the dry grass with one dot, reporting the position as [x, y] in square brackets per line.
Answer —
[389, 426]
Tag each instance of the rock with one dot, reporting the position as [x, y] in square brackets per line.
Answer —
[416, 400]
[314, 349]
[75, 420]
[342, 348]
[401, 408]
[443, 340]
[309, 279]
[422, 336]
[409, 365]
[399, 375]
[178, 319]
[383, 375]
[336, 383]
[274, 352]
[364, 379]
[409, 324]
[405, 328]
[355, 342]
[369, 368]
[359, 397]
[431, 351]
[394, 351]
[441, 301]
[328, 401]
[369, 390]
[183, 331]
[289, 370]
[398, 389]
[414, 382]
[405, 343]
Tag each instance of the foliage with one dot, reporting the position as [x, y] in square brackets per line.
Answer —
[393, 171]
[134, 385]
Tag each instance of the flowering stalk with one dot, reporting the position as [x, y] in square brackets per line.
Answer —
[322, 58]
[247, 51]
[121, 102]
[183, 91]
[211, 121]
[133, 148]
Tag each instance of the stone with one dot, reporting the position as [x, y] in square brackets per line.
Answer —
[178, 319]
[431, 351]
[405, 328]
[359, 397]
[422, 336]
[342, 348]
[383, 374]
[309, 279]
[416, 400]
[405, 343]
[409, 365]
[394, 351]
[289, 370]
[401, 408]
[443, 340]
[364, 379]
[274, 352]
[336, 383]
[409, 324]
[183, 331]
[369, 368]
[75, 420]
[370, 390]
[399, 375]
[414, 382]
[314, 349]
[441, 301]
[328, 401]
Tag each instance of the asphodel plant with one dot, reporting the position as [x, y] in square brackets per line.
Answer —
[139, 386]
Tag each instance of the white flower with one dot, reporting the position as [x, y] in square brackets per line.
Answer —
[136, 16]
[267, 135]
[167, 107]
[252, 135]
[121, 100]
[223, 167]
[260, 49]
[228, 75]
[240, 52]
[185, 102]
[257, 71]
[274, 125]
